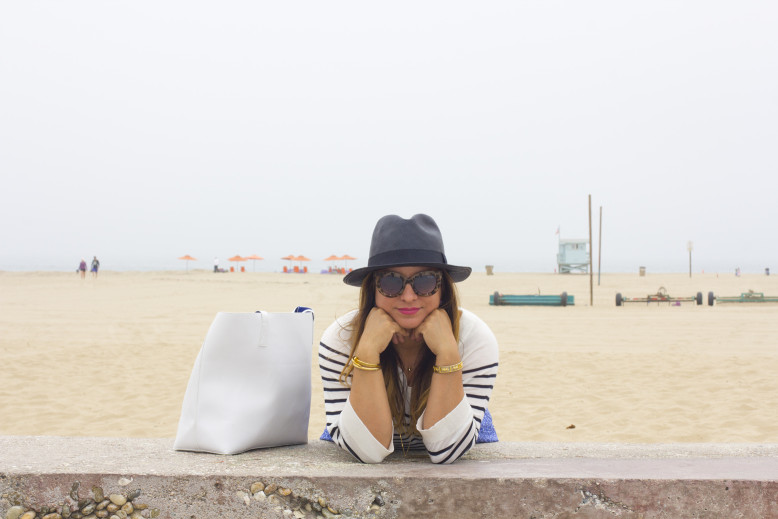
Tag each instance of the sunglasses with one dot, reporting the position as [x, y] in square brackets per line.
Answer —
[392, 284]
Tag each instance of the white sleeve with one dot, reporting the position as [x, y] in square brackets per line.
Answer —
[356, 438]
[455, 433]
[343, 425]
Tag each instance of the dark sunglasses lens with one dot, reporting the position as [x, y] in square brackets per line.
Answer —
[425, 284]
[390, 284]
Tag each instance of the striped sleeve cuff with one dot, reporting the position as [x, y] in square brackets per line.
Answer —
[358, 438]
[454, 425]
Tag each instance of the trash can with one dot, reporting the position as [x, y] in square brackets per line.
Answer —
[642, 272]
[490, 270]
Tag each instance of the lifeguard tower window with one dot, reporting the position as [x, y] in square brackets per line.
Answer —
[573, 256]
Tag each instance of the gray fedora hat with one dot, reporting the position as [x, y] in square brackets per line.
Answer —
[400, 242]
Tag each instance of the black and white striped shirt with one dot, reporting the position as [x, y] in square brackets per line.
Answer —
[448, 439]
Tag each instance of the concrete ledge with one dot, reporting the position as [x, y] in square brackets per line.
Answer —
[494, 480]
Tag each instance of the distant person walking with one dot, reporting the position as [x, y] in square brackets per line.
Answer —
[95, 266]
[82, 268]
[216, 264]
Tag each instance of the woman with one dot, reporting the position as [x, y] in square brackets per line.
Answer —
[408, 368]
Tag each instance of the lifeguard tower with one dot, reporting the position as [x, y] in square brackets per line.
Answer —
[573, 256]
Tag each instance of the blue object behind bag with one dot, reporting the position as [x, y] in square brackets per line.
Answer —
[486, 434]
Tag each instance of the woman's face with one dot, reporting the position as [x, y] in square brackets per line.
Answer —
[408, 309]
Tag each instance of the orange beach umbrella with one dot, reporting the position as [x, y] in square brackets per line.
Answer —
[187, 258]
[237, 257]
[346, 257]
[334, 258]
[289, 258]
[301, 258]
[254, 259]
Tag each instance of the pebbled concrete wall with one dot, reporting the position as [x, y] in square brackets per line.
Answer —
[72, 478]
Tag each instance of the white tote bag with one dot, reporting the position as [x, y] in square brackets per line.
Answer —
[251, 384]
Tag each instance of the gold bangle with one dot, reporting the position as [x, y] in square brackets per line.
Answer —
[365, 366]
[453, 368]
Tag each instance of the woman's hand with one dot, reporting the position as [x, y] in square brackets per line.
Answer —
[380, 330]
[436, 333]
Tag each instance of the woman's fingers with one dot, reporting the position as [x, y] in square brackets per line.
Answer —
[381, 329]
[435, 330]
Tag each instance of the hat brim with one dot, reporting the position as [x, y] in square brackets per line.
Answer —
[457, 273]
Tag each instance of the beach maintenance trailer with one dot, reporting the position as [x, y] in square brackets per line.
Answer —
[661, 296]
[562, 299]
[744, 297]
[573, 256]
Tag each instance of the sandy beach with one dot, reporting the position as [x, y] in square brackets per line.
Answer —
[112, 356]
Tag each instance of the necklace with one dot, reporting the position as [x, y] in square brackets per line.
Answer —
[409, 369]
[404, 367]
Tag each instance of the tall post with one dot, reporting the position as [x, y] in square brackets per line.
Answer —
[591, 269]
[599, 250]
[690, 247]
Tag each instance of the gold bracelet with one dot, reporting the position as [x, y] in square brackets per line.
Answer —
[453, 368]
[364, 366]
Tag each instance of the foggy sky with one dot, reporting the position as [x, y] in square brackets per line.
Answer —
[143, 131]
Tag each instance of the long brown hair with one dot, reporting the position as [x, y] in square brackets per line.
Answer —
[449, 302]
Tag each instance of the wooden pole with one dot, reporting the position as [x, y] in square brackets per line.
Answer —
[690, 246]
[599, 251]
[591, 269]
